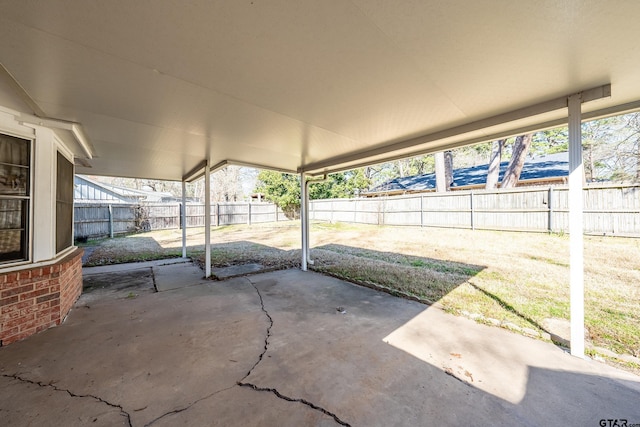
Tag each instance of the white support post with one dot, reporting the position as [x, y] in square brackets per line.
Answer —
[576, 241]
[207, 220]
[184, 219]
[304, 220]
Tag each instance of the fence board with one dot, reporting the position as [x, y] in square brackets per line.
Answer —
[92, 220]
[608, 210]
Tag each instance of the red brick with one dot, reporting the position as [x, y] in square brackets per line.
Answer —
[54, 287]
[24, 274]
[43, 327]
[7, 332]
[17, 306]
[9, 300]
[42, 305]
[17, 337]
[19, 321]
[12, 277]
[45, 312]
[33, 294]
[48, 297]
[28, 325]
[55, 302]
[15, 291]
[43, 284]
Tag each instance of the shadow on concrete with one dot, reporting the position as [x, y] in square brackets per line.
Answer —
[178, 358]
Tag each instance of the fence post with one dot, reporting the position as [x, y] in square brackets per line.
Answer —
[181, 207]
[110, 221]
[355, 210]
[249, 213]
[384, 211]
[421, 211]
[331, 212]
[550, 204]
[217, 214]
[276, 207]
[473, 226]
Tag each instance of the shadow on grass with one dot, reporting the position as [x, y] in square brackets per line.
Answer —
[424, 279]
[508, 307]
[123, 250]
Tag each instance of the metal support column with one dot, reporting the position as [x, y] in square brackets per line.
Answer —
[184, 219]
[207, 220]
[576, 243]
[304, 220]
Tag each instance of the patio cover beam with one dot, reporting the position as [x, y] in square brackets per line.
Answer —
[385, 153]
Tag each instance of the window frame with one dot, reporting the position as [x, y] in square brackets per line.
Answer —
[62, 155]
[27, 202]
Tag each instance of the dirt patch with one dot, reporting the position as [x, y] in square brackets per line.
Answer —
[123, 284]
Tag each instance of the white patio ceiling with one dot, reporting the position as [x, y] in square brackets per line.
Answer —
[158, 86]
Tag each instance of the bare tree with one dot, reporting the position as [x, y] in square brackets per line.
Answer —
[520, 149]
[448, 168]
[493, 174]
[444, 170]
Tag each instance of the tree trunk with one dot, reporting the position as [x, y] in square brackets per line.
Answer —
[493, 174]
[448, 168]
[520, 150]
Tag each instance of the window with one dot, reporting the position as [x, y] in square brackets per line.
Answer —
[64, 203]
[15, 197]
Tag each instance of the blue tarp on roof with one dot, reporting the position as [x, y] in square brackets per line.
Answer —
[549, 166]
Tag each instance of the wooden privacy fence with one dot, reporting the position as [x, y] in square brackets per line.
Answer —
[608, 210]
[101, 220]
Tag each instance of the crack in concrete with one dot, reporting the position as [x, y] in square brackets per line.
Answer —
[70, 393]
[177, 411]
[266, 339]
[153, 278]
[275, 391]
[299, 400]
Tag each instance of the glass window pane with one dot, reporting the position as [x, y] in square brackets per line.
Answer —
[64, 204]
[13, 229]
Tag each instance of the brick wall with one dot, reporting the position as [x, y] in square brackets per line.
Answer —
[35, 299]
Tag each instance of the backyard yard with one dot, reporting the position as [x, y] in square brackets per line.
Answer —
[518, 281]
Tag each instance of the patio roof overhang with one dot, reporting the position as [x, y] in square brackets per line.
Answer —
[155, 88]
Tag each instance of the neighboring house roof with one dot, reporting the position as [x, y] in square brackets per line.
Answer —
[89, 190]
[543, 168]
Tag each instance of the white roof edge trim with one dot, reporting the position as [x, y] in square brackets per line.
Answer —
[73, 127]
[198, 172]
[587, 95]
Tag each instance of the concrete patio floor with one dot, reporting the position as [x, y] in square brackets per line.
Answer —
[290, 348]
